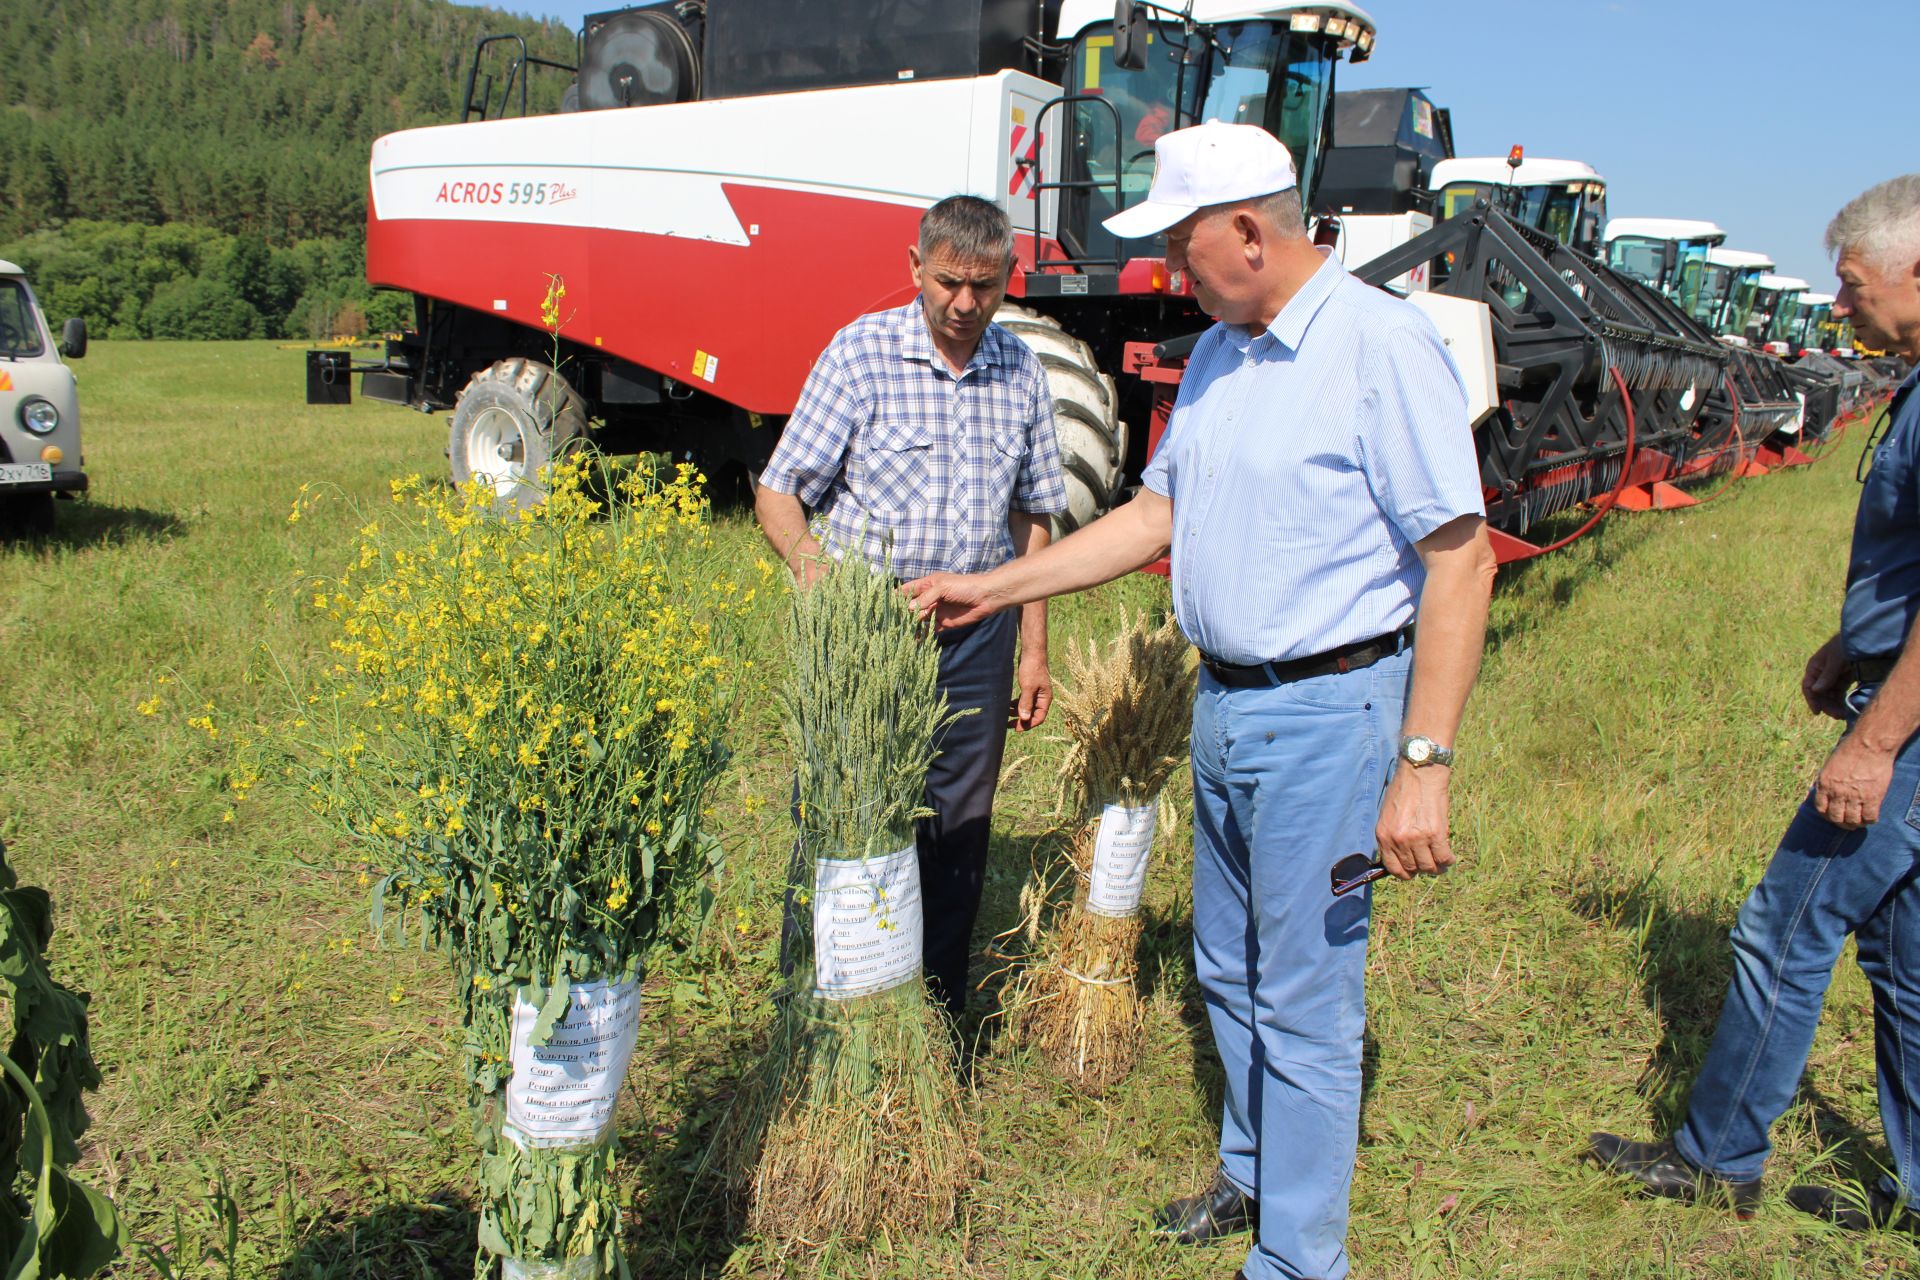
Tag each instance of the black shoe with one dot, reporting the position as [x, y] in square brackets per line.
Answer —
[1846, 1210]
[1221, 1210]
[1661, 1170]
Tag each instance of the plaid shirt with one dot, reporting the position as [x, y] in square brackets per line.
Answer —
[889, 442]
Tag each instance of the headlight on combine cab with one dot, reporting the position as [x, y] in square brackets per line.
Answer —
[39, 416]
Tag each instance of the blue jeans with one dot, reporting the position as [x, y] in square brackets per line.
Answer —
[1286, 781]
[1822, 884]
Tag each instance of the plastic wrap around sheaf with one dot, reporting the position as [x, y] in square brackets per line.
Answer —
[571, 1269]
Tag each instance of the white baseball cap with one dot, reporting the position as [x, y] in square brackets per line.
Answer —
[1206, 164]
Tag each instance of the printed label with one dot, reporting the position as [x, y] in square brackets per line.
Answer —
[1120, 860]
[705, 366]
[866, 924]
[562, 1093]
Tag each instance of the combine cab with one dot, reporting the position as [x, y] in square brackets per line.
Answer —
[743, 179]
[1665, 254]
[1564, 199]
[1776, 300]
[1726, 297]
[1377, 190]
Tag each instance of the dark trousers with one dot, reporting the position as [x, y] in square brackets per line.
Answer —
[976, 672]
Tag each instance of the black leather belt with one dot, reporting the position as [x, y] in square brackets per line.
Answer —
[1873, 670]
[1352, 657]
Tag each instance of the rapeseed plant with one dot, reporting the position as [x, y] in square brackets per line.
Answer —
[522, 717]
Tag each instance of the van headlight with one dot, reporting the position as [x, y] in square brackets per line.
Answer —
[39, 416]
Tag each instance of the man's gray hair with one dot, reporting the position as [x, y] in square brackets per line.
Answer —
[1282, 209]
[1881, 225]
[971, 229]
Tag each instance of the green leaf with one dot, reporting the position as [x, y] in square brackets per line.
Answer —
[88, 1233]
[559, 994]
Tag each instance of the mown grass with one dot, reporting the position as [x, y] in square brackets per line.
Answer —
[1632, 753]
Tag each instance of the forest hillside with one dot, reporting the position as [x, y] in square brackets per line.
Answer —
[197, 168]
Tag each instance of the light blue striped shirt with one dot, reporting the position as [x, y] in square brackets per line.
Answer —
[1303, 463]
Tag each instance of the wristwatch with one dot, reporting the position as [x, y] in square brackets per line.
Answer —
[1420, 752]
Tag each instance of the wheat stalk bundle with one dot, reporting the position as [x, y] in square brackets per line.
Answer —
[1127, 713]
[855, 1121]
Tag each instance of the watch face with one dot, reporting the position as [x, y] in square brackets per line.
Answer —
[1418, 750]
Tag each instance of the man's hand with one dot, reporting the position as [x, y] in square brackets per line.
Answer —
[1036, 694]
[1824, 683]
[952, 600]
[1412, 832]
[1852, 783]
[809, 569]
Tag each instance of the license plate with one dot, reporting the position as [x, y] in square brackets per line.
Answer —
[25, 472]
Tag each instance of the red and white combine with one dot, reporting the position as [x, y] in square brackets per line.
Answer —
[731, 182]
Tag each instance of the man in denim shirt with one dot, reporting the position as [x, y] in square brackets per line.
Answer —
[1850, 861]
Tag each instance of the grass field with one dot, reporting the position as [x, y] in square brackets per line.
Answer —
[282, 1096]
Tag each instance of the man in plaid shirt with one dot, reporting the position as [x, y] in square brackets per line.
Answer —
[924, 441]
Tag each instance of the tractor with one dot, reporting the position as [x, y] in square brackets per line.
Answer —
[655, 265]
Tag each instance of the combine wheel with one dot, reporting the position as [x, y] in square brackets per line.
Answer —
[514, 418]
[1093, 440]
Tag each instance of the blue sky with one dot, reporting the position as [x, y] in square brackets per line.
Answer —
[1761, 115]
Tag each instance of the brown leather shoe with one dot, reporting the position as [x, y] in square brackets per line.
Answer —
[1221, 1210]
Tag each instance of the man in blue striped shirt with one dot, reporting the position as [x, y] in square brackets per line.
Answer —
[923, 441]
[1318, 489]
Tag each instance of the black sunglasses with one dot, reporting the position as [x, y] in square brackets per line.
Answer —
[1355, 870]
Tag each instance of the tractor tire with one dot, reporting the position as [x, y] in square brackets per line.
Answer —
[512, 420]
[1086, 421]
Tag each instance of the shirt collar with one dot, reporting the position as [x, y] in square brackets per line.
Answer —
[916, 341]
[1290, 326]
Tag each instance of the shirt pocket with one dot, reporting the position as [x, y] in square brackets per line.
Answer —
[1008, 456]
[895, 468]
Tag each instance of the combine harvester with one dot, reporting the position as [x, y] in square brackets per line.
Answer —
[1377, 187]
[1565, 199]
[1776, 299]
[732, 184]
[742, 179]
[1722, 289]
[1607, 391]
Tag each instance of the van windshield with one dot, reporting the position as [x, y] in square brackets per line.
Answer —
[19, 322]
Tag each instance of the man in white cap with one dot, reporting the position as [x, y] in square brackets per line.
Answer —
[1318, 489]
